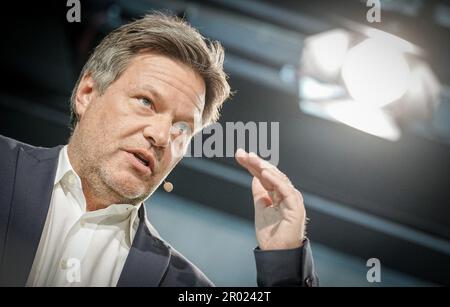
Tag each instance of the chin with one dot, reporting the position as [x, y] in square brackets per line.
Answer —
[127, 186]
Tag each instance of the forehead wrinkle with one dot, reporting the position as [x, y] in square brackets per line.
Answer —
[161, 69]
[180, 81]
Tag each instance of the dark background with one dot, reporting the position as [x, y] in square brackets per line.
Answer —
[366, 197]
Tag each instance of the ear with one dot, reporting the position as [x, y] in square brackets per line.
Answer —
[85, 94]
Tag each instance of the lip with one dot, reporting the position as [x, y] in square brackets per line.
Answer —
[144, 153]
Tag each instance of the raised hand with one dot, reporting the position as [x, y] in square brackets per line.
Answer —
[279, 210]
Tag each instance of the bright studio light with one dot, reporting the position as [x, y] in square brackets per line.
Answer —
[326, 52]
[349, 76]
[392, 40]
[375, 72]
[363, 117]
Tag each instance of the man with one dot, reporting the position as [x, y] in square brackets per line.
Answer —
[73, 215]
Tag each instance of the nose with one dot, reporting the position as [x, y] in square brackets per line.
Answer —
[158, 130]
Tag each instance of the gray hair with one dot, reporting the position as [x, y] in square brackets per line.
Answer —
[163, 35]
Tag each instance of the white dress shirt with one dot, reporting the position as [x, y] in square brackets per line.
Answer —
[79, 248]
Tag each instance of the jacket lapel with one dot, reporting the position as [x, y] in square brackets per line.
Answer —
[148, 259]
[33, 188]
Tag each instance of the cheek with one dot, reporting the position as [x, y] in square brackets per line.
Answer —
[110, 118]
[121, 118]
[101, 128]
[96, 117]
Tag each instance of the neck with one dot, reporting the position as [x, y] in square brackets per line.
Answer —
[96, 194]
[93, 199]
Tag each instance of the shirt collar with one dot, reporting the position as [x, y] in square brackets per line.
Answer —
[68, 179]
[64, 165]
[118, 212]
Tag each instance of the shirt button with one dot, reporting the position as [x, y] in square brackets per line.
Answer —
[309, 281]
[82, 223]
[64, 264]
[71, 179]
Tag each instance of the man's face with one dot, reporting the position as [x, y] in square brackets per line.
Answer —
[130, 138]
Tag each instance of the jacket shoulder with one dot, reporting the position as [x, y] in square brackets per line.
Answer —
[8, 152]
[10, 146]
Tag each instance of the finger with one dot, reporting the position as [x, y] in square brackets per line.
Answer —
[287, 193]
[244, 159]
[258, 165]
[279, 182]
[255, 165]
[281, 176]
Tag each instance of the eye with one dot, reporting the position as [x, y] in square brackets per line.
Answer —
[146, 102]
[181, 128]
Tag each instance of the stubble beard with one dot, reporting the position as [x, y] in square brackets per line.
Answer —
[100, 182]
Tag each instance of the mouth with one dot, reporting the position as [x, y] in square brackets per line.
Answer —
[142, 159]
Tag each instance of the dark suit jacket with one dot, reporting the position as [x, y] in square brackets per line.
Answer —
[26, 183]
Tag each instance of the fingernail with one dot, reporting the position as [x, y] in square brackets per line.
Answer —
[240, 152]
[252, 154]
